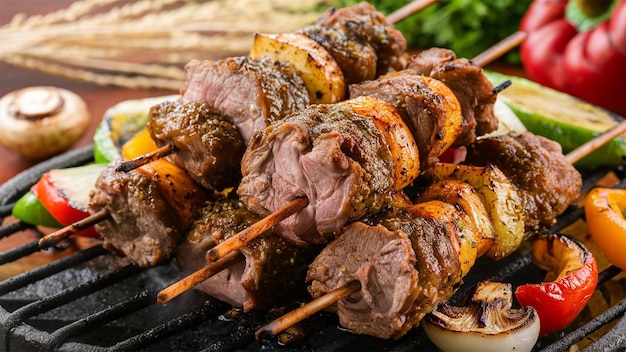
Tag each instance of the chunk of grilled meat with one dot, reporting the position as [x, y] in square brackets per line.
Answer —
[272, 271]
[469, 84]
[208, 146]
[407, 261]
[149, 208]
[361, 40]
[428, 107]
[332, 154]
[547, 182]
[253, 92]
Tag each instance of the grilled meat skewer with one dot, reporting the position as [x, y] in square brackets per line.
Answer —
[407, 260]
[359, 253]
[336, 157]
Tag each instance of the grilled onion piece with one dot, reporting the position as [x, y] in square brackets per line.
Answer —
[488, 323]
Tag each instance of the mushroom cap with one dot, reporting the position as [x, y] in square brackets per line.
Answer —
[42, 121]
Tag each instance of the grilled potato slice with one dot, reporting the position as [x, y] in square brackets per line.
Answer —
[455, 223]
[464, 196]
[500, 198]
[177, 187]
[398, 136]
[322, 75]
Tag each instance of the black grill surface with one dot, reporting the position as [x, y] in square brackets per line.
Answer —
[93, 300]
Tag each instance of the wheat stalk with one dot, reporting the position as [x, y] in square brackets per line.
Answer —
[144, 44]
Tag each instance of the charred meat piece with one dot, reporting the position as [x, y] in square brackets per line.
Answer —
[361, 40]
[328, 153]
[471, 87]
[208, 146]
[407, 262]
[149, 208]
[427, 106]
[547, 182]
[253, 92]
[273, 269]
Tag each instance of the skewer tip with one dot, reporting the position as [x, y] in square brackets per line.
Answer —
[47, 242]
[264, 333]
[163, 298]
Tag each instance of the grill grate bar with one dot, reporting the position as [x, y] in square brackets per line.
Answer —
[237, 340]
[54, 267]
[169, 328]
[608, 273]
[13, 228]
[594, 324]
[18, 252]
[139, 301]
[6, 210]
[48, 303]
[614, 340]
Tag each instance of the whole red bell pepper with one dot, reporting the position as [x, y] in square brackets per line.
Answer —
[578, 47]
[571, 279]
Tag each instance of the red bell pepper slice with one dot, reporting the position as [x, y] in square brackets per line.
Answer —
[571, 279]
[65, 193]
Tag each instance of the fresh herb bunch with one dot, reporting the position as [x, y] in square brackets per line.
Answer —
[467, 27]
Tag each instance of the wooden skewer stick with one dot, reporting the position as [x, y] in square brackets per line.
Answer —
[256, 229]
[595, 143]
[297, 315]
[179, 287]
[500, 48]
[147, 158]
[55, 237]
[408, 10]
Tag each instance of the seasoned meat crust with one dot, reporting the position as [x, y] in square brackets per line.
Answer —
[208, 146]
[405, 261]
[253, 92]
[468, 82]
[547, 182]
[273, 269]
[335, 157]
[361, 40]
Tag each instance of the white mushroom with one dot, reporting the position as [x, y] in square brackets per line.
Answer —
[39, 122]
[487, 323]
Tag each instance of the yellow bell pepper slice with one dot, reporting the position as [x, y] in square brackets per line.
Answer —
[604, 209]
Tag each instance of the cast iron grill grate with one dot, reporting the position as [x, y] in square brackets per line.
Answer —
[92, 300]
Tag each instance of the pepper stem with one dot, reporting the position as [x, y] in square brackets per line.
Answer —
[594, 8]
[587, 14]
